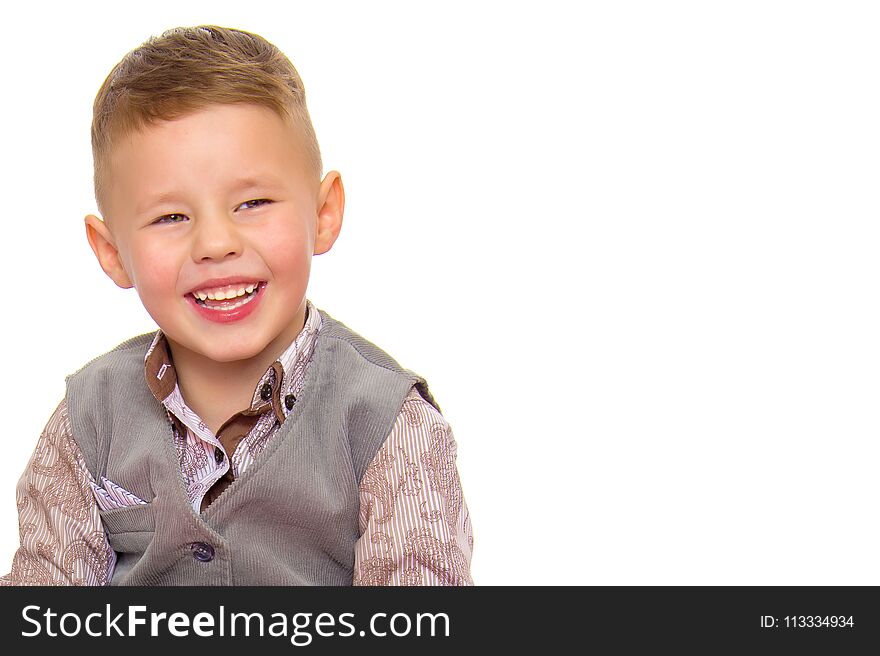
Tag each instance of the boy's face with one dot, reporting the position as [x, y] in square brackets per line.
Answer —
[223, 193]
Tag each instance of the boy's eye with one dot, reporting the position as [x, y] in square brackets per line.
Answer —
[251, 204]
[170, 218]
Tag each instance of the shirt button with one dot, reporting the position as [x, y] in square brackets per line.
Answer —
[266, 391]
[289, 400]
[218, 454]
[202, 551]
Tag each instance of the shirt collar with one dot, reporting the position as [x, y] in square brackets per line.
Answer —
[284, 377]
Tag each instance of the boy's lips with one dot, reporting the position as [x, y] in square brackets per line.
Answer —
[228, 310]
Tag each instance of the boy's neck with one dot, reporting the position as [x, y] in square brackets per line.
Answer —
[216, 391]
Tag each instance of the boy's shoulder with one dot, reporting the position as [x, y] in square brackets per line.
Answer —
[334, 330]
[133, 349]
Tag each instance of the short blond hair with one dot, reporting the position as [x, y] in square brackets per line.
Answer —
[189, 68]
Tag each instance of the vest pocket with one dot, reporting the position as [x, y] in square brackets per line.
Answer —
[129, 529]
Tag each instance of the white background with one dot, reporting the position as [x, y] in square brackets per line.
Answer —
[631, 245]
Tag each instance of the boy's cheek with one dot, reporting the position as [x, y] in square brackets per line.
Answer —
[154, 282]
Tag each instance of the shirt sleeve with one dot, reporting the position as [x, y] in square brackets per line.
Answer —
[62, 537]
[415, 527]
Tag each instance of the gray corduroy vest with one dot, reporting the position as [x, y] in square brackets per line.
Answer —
[290, 519]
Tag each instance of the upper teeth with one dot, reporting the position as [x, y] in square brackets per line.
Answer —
[222, 293]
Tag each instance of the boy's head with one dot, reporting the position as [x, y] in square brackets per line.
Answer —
[190, 68]
[208, 174]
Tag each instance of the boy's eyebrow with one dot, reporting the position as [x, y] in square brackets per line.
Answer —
[156, 201]
[251, 181]
[269, 182]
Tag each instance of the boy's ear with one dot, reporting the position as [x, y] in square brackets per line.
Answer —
[105, 250]
[331, 203]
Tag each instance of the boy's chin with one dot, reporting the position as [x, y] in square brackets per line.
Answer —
[237, 353]
[231, 351]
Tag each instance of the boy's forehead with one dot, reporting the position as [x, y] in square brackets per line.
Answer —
[211, 123]
[244, 144]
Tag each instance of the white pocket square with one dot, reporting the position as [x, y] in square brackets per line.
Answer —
[110, 496]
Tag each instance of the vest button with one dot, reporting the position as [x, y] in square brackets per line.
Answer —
[202, 551]
[266, 391]
[218, 454]
[289, 400]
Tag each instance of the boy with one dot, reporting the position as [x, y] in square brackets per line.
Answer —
[252, 439]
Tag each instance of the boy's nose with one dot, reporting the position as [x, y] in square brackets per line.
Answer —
[215, 238]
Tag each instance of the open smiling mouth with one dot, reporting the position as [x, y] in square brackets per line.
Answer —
[243, 296]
